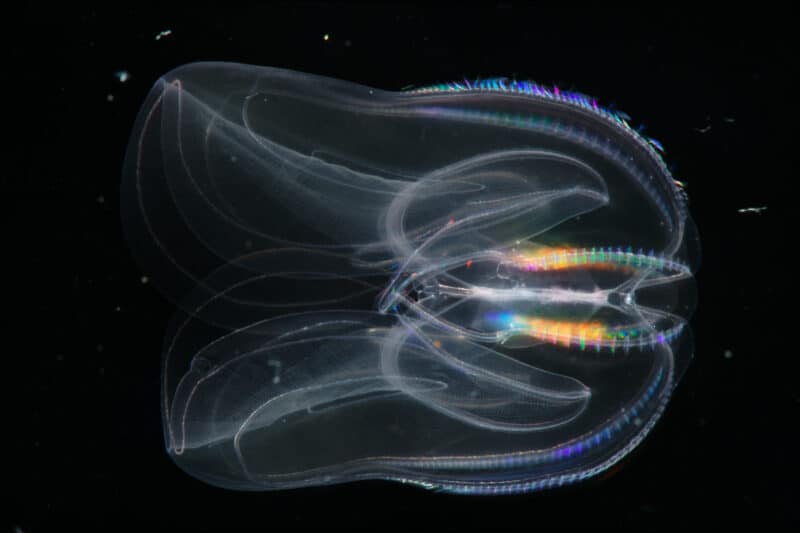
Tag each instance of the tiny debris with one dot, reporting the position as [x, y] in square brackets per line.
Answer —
[160, 35]
[276, 378]
[729, 120]
[756, 210]
[326, 37]
[101, 199]
[704, 129]
[122, 76]
[144, 280]
[109, 98]
[727, 354]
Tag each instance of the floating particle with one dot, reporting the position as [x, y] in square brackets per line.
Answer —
[326, 37]
[160, 35]
[729, 120]
[122, 76]
[348, 43]
[109, 98]
[144, 280]
[704, 129]
[276, 378]
[727, 354]
[101, 199]
[756, 210]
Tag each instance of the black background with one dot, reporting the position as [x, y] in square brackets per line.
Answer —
[83, 362]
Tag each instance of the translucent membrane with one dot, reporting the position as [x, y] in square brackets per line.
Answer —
[478, 287]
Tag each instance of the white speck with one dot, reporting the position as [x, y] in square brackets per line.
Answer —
[727, 354]
[160, 35]
[109, 98]
[756, 210]
[101, 199]
[704, 129]
[234, 159]
[144, 280]
[326, 37]
[277, 365]
[729, 120]
[117, 309]
[637, 421]
[348, 43]
[122, 76]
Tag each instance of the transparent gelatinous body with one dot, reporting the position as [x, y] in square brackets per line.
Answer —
[478, 287]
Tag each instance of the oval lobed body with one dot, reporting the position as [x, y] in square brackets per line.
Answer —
[481, 287]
